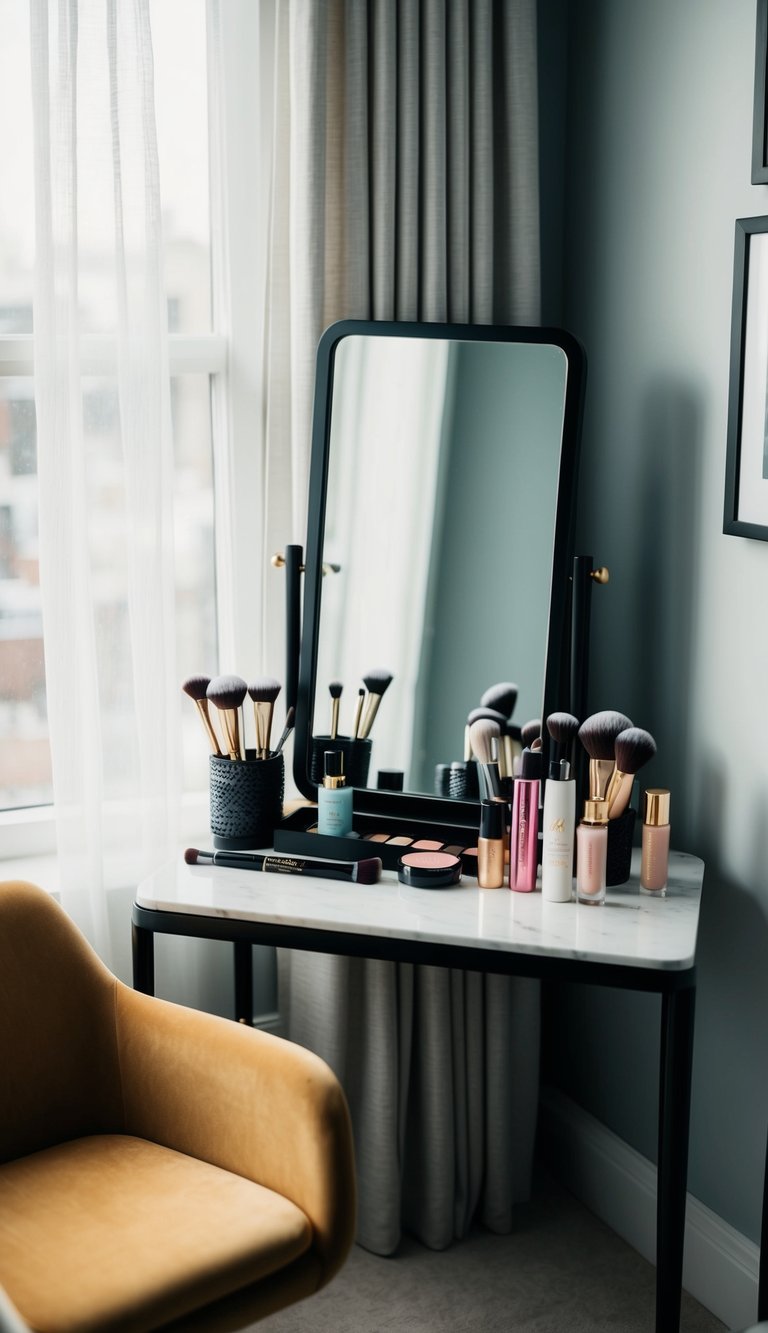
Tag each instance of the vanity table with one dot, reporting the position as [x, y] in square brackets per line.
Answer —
[634, 942]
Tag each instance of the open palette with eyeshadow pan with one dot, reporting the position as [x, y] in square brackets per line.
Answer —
[386, 828]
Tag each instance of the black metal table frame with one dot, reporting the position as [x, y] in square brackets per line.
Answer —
[677, 988]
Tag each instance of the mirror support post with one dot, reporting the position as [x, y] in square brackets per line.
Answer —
[293, 568]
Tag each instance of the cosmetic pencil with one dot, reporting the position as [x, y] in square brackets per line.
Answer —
[355, 872]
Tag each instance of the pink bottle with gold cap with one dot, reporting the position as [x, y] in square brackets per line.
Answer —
[654, 865]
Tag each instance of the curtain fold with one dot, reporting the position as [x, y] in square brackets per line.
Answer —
[411, 193]
[107, 595]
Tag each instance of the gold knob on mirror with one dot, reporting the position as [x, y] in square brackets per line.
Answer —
[601, 575]
[329, 566]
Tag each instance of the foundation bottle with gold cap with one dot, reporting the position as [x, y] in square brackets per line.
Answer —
[654, 865]
[592, 852]
[334, 798]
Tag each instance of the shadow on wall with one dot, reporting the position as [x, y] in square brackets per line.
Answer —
[668, 510]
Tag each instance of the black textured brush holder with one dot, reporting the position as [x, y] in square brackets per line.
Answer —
[620, 835]
[463, 781]
[357, 759]
[246, 801]
[442, 780]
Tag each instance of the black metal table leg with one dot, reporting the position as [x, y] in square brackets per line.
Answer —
[677, 1009]
[243, 981]
[143, 945]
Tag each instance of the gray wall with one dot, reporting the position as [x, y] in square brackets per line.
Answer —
[660, 108]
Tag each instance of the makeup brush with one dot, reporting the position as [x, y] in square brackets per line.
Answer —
[195, 687]
[633, 748]
[562, 728]
[263, 692]
[502, 697]
[598, 736]
[334, 689]
[227, 694]
[530, 731]
[504, 754]
[287, 729]
[376, 683]
[358, 714]
[482, 735]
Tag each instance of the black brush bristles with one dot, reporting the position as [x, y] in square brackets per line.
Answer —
[196, 686]
[263, 691]
[634, 748]
[598, 736]
[369, 872]
[227, 693]
[489, 714]
[530, 731]
[376, 683]
[598, 733]
[334, 689]
[502, 697]
[562, 727]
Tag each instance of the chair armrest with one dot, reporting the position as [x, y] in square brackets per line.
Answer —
[246, 1101]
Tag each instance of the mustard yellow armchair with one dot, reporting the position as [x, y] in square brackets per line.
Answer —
[159, 1167]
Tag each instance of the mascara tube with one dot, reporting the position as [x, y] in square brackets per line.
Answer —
[360, 872]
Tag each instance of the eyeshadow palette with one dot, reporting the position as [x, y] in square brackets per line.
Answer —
[388, 837]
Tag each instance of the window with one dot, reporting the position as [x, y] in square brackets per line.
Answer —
[197, 362]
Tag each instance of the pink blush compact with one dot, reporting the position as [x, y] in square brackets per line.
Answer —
[429, 870]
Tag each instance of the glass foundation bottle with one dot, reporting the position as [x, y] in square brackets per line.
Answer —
[334, 798]
[592, 853]
[654, 864]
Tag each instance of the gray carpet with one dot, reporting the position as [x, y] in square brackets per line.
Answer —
[562, 1271]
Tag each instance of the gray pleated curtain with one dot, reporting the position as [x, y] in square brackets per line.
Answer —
[405, 187]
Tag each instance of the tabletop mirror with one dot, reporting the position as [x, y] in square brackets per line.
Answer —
[441, 508]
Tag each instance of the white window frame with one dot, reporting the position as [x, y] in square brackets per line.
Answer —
[239, 124]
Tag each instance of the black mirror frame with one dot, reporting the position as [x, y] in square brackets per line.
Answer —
[556, 693]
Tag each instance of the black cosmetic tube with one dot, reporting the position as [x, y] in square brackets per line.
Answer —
[283, 865]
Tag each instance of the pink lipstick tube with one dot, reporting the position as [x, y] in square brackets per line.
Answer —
[524, 835]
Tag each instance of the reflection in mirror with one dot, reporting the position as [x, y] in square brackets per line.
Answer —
[441, 499]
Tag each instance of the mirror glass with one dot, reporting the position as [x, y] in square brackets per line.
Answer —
[440, 507]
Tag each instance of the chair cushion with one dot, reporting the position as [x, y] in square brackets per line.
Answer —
[119, 1235]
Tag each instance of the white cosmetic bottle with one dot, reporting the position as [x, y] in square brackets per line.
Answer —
[558, 823]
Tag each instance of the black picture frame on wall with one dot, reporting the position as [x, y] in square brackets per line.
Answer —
[760, 111]
[746, 469]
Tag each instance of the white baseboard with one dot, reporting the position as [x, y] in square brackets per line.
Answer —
[619, 1185]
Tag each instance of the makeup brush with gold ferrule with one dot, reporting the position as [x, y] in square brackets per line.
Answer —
[195, 687]
[227, 694]
[358, 714]
[263, 692]
[598, 736]
[334, 689]
[376, 683]
[633, 749]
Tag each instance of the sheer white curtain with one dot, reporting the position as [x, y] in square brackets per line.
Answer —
[406, 187]
[105, 492]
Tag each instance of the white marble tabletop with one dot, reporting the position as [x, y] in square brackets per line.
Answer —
[631, 929]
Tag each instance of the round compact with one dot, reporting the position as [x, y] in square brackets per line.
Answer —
[429, 870]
